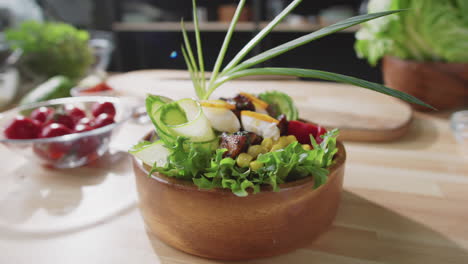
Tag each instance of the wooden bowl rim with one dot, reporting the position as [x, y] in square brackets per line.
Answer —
[440, 63]
[339, 161]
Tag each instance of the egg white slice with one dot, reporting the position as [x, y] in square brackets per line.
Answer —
[222, 119]
[260, 124]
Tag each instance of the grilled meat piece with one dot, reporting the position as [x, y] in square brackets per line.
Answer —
[254, 139]
[243, 103]
[283, 125]
[235, 144]
[238, 142]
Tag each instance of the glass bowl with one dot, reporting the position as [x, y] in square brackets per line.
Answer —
[68, 151]
[459, 124]
[80, 91]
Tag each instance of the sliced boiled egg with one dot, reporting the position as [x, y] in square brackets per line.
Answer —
[260, 105]
[260, 109]
[261, 124]
[256, 101]
[220, 115]
[217, 104]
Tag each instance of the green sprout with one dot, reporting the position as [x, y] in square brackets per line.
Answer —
[238, 67]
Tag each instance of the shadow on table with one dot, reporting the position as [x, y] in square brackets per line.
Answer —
[353, 239]
[58, 192]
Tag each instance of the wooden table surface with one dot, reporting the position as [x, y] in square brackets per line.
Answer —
[403, 202]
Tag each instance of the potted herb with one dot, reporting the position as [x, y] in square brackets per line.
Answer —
[424, 49]
[50, 49]
[242, 177]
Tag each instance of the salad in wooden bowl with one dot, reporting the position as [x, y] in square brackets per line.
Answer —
[242, 177]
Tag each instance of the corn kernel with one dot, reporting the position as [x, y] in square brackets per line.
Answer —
[256, 150]
[243, 160]
[267, 143]
[276, 147]
[256, 165]
[291, 139]
[306, 147]
[283, 142]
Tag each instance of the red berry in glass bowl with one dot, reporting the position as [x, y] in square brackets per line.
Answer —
[54, 130]
[103, 120]
[52, 151]
[80, 128]
[85, 121]
[75, 113]
[63, 119]
[23, 128]
[87, 146]
[103, 108]
[42, 114]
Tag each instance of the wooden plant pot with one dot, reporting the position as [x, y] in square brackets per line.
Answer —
[442, 85]
[219, 225]
[226, 13]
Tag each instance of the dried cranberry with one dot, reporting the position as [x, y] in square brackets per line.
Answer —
[103, 108]
[23, 128]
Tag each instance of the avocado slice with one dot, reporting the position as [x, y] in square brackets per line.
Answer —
[280, 103]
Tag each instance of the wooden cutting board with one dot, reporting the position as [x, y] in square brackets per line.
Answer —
[360, 114]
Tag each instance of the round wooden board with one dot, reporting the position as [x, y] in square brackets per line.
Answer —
[360, 114]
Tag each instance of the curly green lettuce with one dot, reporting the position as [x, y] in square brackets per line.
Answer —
[52, 49]
[430, 30]
[208, 169]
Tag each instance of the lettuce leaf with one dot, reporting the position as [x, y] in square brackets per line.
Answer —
[52, 48]
[430, 30]
[208, 169]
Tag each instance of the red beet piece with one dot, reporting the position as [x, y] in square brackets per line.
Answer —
[303, 131]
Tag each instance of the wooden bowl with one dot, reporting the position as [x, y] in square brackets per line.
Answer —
[442, 85]
[219, 225]
[226, 13]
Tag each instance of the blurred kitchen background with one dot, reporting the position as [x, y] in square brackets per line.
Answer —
[146, 33]
[421, 53]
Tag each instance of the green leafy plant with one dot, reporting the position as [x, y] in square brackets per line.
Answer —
[238, 67]
[191, 161]
[52, 48]
[432, 30]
